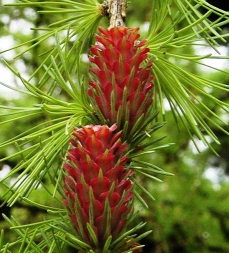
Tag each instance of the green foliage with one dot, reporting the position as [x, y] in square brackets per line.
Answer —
[170, 31]
[190, 212]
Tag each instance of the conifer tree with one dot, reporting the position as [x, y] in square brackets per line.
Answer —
[92, 136]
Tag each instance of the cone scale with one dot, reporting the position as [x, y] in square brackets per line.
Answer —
[98, 192]
[121, 87]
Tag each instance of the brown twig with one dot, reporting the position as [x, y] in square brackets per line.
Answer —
[116, 12]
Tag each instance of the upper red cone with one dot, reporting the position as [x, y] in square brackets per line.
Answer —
[122, 85]
[97, 189]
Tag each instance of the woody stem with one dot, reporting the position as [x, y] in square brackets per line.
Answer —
[116, 12]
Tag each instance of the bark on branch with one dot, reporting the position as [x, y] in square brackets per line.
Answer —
[116, 12]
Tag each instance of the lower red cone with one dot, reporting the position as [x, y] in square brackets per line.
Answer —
[98, 192]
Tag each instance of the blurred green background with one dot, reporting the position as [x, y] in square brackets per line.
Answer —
[190, 213]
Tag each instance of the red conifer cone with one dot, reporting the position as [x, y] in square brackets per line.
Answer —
[122, 85]
[98, 192]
